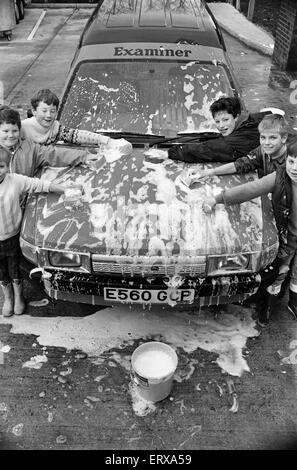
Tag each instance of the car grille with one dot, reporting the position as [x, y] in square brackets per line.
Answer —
[133, 269]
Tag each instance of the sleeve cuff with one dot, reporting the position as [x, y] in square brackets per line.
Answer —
[220, 198]
[47, 186]
[176, 153]
[104, 139]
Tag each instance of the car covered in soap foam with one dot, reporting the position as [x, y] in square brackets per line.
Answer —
[147, 72]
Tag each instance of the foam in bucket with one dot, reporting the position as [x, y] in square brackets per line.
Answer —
[153, 367]
[154, 364]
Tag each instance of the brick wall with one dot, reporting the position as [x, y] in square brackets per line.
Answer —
[285, 48]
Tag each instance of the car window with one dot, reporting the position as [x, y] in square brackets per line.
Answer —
[144, 96]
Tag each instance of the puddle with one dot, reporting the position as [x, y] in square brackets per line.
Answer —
[225, 335]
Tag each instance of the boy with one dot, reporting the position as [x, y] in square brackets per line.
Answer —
[239, 135]
[282, 183]
[43, 128]
[266, 158]
[26, 156]
[11, 188]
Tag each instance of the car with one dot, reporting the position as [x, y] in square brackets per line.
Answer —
[147, 72]
[19, 10]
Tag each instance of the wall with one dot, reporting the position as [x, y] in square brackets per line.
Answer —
[285, 49]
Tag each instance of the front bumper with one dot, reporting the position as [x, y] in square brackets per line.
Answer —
[88, 288]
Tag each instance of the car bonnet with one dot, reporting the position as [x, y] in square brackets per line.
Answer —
[135, 207]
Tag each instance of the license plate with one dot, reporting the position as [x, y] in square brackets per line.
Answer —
[140, 296]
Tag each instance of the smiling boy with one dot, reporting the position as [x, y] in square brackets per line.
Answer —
[27, 157]
[274, 131]
[43, 128]
[239, 135]
[282, 183]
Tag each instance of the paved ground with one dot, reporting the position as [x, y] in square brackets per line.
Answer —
[235, 23]
[265, 13]
[24, 62]
[65, 373]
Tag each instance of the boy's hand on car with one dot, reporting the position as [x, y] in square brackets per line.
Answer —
[76, 186]
[200, 175]
[92, 158]
[120, 145]
[209, 204]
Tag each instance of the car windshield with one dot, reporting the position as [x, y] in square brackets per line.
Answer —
[150, 97]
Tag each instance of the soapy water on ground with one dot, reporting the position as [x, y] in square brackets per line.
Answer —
[225, 334]
[292, 357]
[38, 303]
[18, 429]
[35, 362]
[140, 405]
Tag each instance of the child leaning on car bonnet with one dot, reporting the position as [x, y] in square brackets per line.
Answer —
[239, 135]
[274, 131]
[43, 128]
[27, 157]
[282, 183]
[11, 188]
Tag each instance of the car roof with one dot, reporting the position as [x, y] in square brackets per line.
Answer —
[115, 21]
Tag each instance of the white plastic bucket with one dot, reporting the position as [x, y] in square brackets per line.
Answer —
[152, 368]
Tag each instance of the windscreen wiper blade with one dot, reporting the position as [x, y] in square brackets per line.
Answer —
[157, 139]
[184, 138]
[132, 134]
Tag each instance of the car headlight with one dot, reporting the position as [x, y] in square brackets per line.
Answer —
[57, 258]
[228, 264]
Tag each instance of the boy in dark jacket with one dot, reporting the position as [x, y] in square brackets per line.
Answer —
[283, 185]
[239, 135]
[266, 158]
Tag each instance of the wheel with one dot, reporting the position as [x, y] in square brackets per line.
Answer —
[21, 5]
[8, 34]
[17, 12]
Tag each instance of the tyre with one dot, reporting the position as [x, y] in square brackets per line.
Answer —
[21, 4]
[17, 12]
[8, 34]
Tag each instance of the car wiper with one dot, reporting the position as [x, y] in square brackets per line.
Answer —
[132, 134]
[181, 137]
[188, 137]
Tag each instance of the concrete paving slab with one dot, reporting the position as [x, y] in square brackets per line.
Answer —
[236, 24]
[19, 57]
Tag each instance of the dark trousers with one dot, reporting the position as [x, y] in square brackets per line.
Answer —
[10, 256]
